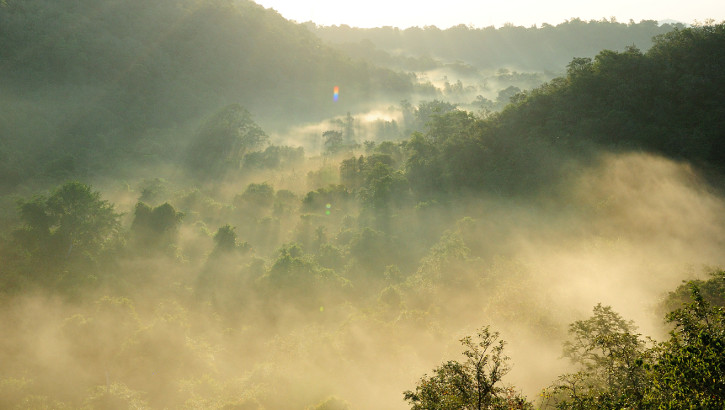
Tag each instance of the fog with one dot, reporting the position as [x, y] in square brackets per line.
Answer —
[192, 328]
[189, 219]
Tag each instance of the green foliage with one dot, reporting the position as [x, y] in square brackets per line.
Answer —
[617, 370]
[337, 196]
[609, 356]
[447, 268]
[224, 140]
[333, 141]
[256, 196]
[711, 290]
[358, 172]
[379, 185]
[392, 149]
[428, 110]
[73, 222]
[292, 268]
[225, 239]
[80, 216]
[101, 80]
[240, 320]
[422, 167]
[626, 100]
[542, 48]
[155, 228]
[472, 384]
[274, 157]
[690, 367]
[195, 204]
[449, 251]
[351, 171]
[296, 278]
[384, 188]
[453, 155]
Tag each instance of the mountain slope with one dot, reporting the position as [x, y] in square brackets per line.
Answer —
[668, 101]
[79, 77]
[545, 48]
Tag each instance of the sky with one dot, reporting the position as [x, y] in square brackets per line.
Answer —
[482, 13]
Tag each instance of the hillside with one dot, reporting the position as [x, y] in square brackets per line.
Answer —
[543, 49]
[160, 250]
[667, 101]
[83, 81]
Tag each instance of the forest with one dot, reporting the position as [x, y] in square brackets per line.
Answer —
[545, 48]
[191, 217]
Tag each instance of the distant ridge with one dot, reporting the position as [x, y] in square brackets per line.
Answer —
[671, 22]
[549, 47]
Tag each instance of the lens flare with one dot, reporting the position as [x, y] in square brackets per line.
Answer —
[336, 93]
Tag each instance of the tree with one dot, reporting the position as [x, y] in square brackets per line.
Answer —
[74, 220]
[428, 109]
[274, 157]
[383, 187]
[333, 141]
[423, 167]
[225, 239]
[297, 278]
[256, 200]
[610, 358]
[711, 290]
[472, 384]
[506, 95]
[690, 367]
[155, 228]
[351, 171]
[223, 141]
[579, 66]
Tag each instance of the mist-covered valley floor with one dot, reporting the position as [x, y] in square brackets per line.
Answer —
[198, 227]
[295, 305]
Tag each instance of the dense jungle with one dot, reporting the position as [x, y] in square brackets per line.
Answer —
[204, 205]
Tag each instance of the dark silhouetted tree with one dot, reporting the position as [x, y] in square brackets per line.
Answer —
[155, 228]
[333, 141]
[223, 141]
[72, 221]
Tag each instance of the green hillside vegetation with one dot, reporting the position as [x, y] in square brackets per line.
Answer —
[616, 367]
[230, 272]
[481, 68]
[541, 49]
[667, 101]
[90, 85]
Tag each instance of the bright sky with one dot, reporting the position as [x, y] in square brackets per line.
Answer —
[482, 13]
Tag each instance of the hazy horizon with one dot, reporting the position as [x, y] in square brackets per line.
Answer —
[405, 14]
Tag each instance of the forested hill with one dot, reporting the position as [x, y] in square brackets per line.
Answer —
[88, 74]
[178, 56]
[229, 273]
[534, 48]
[669, 100]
